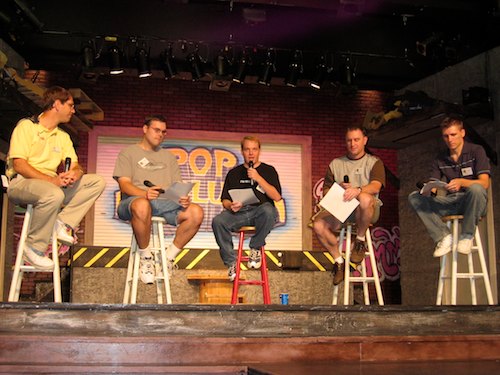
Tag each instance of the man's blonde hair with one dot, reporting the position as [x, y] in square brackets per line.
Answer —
[250, 138]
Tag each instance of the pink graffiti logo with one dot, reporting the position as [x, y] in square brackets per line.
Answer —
[387, 254]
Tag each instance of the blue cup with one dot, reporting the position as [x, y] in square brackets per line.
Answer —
[284, 298]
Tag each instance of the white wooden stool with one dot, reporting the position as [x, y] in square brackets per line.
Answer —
[345, 238]
[160, 257]
[453, 223]
[21, 266]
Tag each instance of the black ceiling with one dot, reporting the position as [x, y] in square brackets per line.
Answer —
[378, 36]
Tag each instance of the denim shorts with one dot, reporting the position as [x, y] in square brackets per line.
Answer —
[160, 207]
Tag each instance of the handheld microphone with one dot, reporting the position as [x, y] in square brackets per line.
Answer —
[250, 165]
[67, 164]
[150, 184]
[346, 179]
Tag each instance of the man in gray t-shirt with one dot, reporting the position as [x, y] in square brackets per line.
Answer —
[148, 161]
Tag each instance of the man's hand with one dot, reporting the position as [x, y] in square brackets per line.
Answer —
[153, 193]
[185, 201]
[351, 193]
[454, 185]
[236, 206]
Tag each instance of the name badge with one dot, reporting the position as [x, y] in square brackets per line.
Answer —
[261, 190]
[467, 171]
[143, 162]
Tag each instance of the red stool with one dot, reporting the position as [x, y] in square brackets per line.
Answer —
[264, 281]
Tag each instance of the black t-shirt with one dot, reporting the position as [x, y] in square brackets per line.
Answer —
[237, 178]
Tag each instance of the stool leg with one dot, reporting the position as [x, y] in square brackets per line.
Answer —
[472, 279]
[454, 263]
[439, 297]
[56, 274]
[266, 294]
[130, 267]
[236, 282]
[366, 291]
[164, 265]
[484, 268]
[135, 275]
[17, 275]
[347, 260]
[341, 247]
[373, 263]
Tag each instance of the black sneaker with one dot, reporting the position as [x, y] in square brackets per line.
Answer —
[338, 273]
[358, 251]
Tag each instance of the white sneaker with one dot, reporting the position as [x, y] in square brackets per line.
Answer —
[443, 247]
[64, 233]
[464, 245]
[254, 260]
[231, 272]
[37, 259]
[147, 267]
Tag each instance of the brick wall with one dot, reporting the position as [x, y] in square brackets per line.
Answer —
[323, 115]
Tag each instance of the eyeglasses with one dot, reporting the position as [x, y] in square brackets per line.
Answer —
[158, 131]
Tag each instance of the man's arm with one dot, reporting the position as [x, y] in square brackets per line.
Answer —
[127, 187]
[457, 183]
[269, 189]
[25, 169]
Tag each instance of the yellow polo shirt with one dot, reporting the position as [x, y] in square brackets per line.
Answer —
[44, 150]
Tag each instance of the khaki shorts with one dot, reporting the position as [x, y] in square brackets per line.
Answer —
[323, 214]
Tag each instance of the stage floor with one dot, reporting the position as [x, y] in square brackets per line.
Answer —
[274, 339]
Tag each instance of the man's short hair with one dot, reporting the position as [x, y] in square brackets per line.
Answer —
[250, 138]
[52, 94]
[452, 120]
[354, 128]
[148, 120]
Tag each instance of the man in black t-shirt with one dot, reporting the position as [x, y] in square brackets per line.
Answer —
[264, 181]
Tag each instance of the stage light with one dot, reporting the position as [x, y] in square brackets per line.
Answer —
[88, 60]
[168, 63]
[196, 65]
[295, 69]
[348, 71]
[222, 63]
[143, 63]
[268, 68]
[115, 65]
[241, 69]
[320, 74]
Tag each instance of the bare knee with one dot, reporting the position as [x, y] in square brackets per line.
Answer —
[141, 209]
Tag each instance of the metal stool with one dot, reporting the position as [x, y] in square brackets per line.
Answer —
[346, 236]
[453, 222]
[264, 281]
[160, 257]
[21, 266]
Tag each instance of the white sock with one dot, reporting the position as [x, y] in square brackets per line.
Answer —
[361, 238]
[172, 251]
[145, 253]
[339, 260]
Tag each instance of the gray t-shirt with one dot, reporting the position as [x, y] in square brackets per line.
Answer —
[158, 166]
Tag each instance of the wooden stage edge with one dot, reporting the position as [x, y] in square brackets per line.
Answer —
[76, 335]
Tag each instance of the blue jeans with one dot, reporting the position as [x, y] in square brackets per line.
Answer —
[263, 217]
[471, 204]
[159, 207]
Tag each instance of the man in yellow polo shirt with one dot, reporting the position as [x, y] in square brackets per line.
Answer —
[37, 148]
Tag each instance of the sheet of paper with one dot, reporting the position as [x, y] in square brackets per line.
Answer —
[426, 190]
[245, 196]
[334, 203]
[177, 190]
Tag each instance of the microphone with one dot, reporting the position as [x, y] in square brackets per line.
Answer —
[150, 184]
[67, 164]
[250, 165]
[346, 179]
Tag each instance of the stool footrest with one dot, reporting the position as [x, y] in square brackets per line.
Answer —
[361, 279]
[251, 282]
